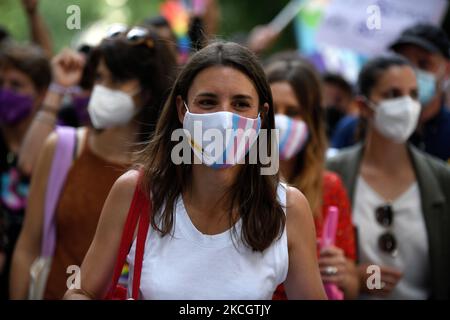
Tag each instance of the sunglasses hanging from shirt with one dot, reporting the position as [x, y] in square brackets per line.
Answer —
[386, 241]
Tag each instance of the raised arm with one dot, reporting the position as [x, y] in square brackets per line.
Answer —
[39, 32]
[211, 18]
[261, 38]
[67, 69]
[98, 265]
[303, 280]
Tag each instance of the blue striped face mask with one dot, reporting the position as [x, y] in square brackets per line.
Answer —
[293, 136]
[220, 139]
[426, 85]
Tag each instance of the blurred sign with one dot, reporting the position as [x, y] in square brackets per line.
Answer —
[369, 26]
[326, 58]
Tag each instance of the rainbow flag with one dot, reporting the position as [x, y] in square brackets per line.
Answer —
[177, 15]
[123, 280]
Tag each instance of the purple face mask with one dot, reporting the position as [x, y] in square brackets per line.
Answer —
[80, 104]
[14, 107]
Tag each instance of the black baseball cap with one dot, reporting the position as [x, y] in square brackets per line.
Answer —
[426, 36]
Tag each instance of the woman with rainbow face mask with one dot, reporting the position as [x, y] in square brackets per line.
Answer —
[220, 229]
[297, 101]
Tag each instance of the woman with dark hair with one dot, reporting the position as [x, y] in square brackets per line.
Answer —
[133, 73]
[401, 196]
[219, 230]
[296, 91]
[24, 78]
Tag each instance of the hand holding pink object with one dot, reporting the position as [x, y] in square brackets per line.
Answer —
[328, 239]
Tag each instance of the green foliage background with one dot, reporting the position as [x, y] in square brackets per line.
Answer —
[238, 16]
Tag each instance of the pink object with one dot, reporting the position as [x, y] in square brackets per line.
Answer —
[330, 227]
[328, 239]
[333, 292]
[198, 7]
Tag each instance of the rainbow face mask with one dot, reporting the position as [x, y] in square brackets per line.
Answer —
[220, 139]
[293, 135]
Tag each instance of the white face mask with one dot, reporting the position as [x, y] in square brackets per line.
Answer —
[396, 118]
[110, 108]
[221, 139]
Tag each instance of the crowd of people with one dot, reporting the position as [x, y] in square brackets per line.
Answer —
[89, 179]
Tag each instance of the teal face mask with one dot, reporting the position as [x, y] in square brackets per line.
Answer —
[426, 83]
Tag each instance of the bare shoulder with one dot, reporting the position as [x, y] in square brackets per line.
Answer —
[123, 188]
[119, 200]
[44, 160]
[128, 180]
[299, 220]
[297, 205]
[50, 142]
[81, 133]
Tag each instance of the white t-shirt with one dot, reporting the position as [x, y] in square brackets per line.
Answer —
[189, 265]
[408, 228]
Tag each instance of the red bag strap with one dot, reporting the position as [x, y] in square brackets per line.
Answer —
[144, 223]
[140, 206]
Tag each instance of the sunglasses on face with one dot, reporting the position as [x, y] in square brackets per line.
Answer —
[387, 241]
[135, 36]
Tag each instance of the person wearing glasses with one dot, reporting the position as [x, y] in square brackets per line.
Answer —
[221, 227]
[400, 195]
[134, 70]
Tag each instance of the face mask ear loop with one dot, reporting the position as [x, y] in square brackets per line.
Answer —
[263, 112]
[185, 105]
[370, 104]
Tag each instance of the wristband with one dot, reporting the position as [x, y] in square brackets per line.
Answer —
[46, 118]
[49, 109]
[59, 89]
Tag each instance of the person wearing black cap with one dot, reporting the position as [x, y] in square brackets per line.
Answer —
[428, 49]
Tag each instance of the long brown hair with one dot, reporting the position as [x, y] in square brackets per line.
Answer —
[254, 195]
[305, 82]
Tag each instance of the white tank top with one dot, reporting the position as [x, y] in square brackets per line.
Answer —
[189, 265]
